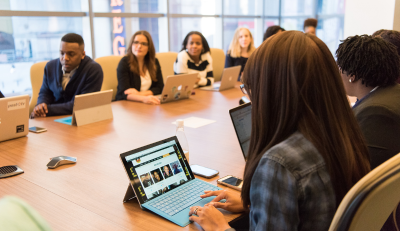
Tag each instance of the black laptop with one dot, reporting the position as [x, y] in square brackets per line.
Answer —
[241, 119]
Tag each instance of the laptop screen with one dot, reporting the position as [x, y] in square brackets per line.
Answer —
[156, 168]
[1, 95]
[241, 119]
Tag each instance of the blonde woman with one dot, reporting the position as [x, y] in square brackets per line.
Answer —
[240, 49]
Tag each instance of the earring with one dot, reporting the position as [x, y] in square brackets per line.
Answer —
[350, 80]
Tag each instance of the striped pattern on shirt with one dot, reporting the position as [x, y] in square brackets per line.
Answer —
[185, 65]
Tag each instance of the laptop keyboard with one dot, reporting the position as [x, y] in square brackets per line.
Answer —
[184, 196]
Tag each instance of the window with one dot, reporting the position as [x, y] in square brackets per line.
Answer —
[231, 24]
[132, 6]
[30, 30]
[243, 7]
[113, 40]
[26, 40]
[180, 27]
[203, 7]
[45, 5]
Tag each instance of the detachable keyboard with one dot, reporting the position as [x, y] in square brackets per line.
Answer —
[181, 197]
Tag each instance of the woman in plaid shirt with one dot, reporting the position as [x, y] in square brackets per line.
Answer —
[306, 149]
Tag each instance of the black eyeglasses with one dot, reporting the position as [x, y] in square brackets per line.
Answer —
[243, 89]
[136, 43]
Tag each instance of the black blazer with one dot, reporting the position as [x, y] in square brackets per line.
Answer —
[127, 79]
[379, 118]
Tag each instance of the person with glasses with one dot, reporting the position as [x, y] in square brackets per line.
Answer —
[306, 149]
[195, 57]
[139, 72]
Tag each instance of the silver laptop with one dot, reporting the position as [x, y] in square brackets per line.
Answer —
[14, 117]
[228, 80]
[178, 87]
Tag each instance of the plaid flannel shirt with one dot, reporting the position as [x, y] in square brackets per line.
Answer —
[291, 188]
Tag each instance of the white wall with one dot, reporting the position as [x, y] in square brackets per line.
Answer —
[368, 16]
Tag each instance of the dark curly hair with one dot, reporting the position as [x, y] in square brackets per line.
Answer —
[391, 36]
[373, 60]
[271, 31]
[206, 47]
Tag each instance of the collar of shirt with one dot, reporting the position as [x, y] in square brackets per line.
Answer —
[71, 73]
[191, 60]
[360, 100]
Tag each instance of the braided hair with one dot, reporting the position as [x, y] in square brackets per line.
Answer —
[373, 60]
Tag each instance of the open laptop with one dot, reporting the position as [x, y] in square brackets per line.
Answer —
[241, 119]
[162, 180]
[178, 87]
[14, 117]
[228, 80]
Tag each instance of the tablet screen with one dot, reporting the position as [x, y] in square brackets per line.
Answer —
[156, 169]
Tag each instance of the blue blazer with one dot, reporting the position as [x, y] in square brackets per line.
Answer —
[87, 78]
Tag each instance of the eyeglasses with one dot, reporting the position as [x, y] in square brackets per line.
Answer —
[243, 89]
[136, 43]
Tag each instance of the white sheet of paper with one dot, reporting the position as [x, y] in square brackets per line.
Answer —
[196, 122]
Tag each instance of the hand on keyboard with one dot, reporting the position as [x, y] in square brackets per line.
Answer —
[233, 201]
[208, 217]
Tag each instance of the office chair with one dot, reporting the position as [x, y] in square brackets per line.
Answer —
[109, 65]
[167, 60]
[37, 72]
[371, 201]
[218, 63]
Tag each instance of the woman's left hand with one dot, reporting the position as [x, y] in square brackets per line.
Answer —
[208, 217]
[131, 91]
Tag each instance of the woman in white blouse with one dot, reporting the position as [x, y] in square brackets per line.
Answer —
[139, 72]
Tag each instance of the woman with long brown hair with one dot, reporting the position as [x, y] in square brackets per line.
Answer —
[139, 72]
[306, 149]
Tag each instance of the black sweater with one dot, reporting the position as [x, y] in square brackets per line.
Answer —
[127, 79]
[87, 78]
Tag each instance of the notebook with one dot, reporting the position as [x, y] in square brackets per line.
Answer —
[241, 119]
[14, 117]
[162, 181]
[228, 80]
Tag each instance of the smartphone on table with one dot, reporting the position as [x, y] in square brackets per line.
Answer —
[203, 171]
[231, 181]
[37, 129]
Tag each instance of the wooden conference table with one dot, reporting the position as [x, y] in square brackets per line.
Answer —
[88, 195]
